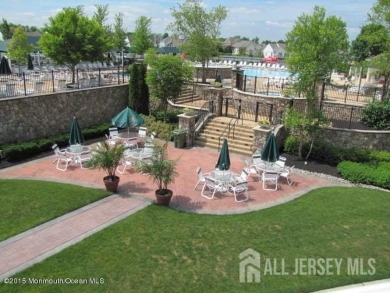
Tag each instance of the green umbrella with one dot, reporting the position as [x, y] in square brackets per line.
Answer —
[127, 118]
[270, 152]
[224, 158]
[76, 136]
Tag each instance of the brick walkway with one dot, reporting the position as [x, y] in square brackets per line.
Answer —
[135, 192]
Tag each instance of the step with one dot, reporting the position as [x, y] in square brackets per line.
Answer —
[242, 151]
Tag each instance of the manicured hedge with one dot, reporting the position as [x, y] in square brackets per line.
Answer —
[377, 174]
[24, 150]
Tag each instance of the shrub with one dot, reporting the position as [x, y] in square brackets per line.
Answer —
[24, 150]
[377, 115]
[377, 174]
[171, 115]
[291, 145]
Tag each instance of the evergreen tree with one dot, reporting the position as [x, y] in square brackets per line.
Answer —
[138, 89]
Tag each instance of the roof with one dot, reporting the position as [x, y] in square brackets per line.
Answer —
[3, 46]
[168, 50]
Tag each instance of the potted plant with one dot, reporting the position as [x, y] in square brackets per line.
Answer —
[264, 123]
[162, 171]
[108, 157]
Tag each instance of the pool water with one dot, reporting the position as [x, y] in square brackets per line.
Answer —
[266, 72]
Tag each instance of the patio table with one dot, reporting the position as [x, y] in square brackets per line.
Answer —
[224, 177]
[76, 152]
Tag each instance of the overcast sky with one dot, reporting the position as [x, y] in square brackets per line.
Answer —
[266, 19]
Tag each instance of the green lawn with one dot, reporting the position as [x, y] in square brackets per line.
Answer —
[25, 204]
[162, 250]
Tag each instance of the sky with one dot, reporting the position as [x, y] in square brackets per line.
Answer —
[265, 19]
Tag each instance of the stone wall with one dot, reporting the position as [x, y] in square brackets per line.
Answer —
[349, 138]
[25, 118]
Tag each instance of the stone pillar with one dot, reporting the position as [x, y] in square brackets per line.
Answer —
[187, 122]
[260, 136]
[237, 78]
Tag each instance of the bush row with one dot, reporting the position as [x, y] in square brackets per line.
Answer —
[24, 150]
[333, 155]
[377, 174]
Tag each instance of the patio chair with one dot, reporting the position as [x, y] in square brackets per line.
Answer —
[113, 132]
[239, 188]
[251, 170]
[61, 157]
[212, 186]
[201, 176]
[287, 175]
[124, 163]
[270, 178]
[142, 132]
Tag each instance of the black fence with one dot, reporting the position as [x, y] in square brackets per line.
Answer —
[277, 86]
[49, 81]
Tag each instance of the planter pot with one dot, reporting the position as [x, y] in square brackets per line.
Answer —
[163, 198]
[264, 126]
[111, 183]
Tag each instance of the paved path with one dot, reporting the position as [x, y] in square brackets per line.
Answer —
[24, 250]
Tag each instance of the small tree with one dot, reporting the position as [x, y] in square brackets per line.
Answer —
[138, 89]
[142, 37]
[166, 76]
[200, 30]
[306, 126]
[71, 37]
[18, 48]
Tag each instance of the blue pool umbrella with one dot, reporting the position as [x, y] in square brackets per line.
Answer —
[224, 157]
[76, 136]
[270, 152]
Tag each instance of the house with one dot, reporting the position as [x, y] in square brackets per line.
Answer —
[275, 50]
[170, 42]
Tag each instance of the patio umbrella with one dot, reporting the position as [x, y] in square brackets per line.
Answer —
[127, 118]
[270, 152]
[224, 157]
[76, 136]
[4, 66]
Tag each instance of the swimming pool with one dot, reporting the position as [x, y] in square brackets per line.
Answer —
[267, 72]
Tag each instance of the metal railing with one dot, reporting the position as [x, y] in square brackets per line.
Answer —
[347, 93]
[27, 83]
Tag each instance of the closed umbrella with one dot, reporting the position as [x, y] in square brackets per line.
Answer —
[224, 157]
[270, 152]
[4, 66]
[76, 136]
[127, 118]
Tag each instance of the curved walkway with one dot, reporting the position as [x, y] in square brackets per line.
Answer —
[135, 192]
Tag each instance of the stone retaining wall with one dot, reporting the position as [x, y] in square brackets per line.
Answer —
[39, 116]
[349, 138]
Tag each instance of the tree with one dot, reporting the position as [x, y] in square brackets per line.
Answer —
[17, 46]
[142, 37]
[199, 28]
[316, 46]
[138, 89]
[166, 76]
[372, 40]
[382, 64]
[5, 29]
[119, 34]
[71, 37]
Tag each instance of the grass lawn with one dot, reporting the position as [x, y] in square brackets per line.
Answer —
[25, 204]
[162, 250]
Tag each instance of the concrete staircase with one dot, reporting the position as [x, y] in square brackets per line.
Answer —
[243, 135]
[187, 96]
